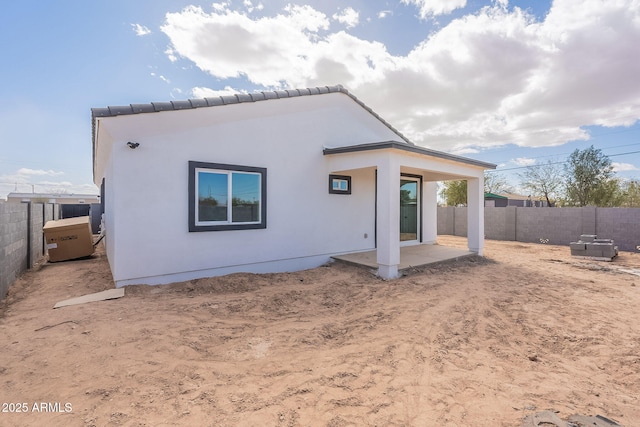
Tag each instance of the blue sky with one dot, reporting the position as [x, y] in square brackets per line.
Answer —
[510, 82]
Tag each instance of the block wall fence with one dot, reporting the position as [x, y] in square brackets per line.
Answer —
[21, 238]
[559, 226]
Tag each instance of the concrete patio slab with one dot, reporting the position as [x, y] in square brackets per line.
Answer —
[410, 256]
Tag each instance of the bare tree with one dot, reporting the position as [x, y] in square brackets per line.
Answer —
[631, 193]
[495, 183]
[544, 180]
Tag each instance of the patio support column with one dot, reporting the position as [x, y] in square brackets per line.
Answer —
[388, 217]
[475, 214]
[430, 213]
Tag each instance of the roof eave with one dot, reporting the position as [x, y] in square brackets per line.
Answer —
[156, 107]
[410, 148]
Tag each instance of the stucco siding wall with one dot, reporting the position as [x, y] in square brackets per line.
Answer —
[147, 199]
[111, 215]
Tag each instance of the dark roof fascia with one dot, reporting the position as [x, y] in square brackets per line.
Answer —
[406, 147]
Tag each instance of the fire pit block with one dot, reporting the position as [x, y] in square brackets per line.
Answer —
[578, 248]
[590, 247]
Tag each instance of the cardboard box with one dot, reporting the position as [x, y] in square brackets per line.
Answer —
[69, 238]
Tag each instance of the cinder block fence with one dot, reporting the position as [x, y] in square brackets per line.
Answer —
[21, 238]
[557, 226]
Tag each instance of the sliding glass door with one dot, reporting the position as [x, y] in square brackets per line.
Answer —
[409, 209]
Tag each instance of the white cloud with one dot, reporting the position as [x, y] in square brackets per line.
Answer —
[248, 4]
[160, 76]
[228, 43]
[487, 79]
[502, 3]
[140, 30]
[384, 13]
[222, 6]
[61, 184]
[37, 172]
[176, 93]
[348, 16]
[429, 8]
[205, 92]
[26, 180]
[171, 54]
[463, 151]
[523, 161]
[623, 167]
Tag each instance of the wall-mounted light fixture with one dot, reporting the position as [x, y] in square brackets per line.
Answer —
[133, 145]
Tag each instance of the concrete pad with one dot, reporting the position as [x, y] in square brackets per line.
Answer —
[634, 271]
[98, 296]
[549, 419]
[410, 256]
[594, 258]
[545, 418]
[597, 421]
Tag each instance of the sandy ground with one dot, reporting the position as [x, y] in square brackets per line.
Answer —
[480, 342]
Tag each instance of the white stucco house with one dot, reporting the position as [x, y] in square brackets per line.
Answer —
[265, 182]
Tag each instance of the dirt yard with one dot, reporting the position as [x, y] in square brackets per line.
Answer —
[479, 342]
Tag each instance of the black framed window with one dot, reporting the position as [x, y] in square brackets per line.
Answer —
[226, 197]
[339, 184]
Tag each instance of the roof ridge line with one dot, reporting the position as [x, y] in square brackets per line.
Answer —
[236, 98]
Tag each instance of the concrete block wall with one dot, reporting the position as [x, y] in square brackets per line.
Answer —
[620, 224]
[460, 221]
[588, 217]
[500, 223]
[36, 244]
[557, 226]
[446, 217]
[40, 214]
[13, 243]
[21, 238]
[495, 227]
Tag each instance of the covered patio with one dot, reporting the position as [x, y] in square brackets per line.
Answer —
[398, 167]
[410, 256]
